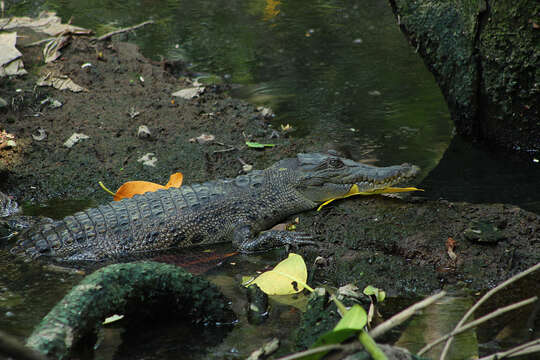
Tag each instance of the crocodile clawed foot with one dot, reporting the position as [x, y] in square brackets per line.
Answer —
[274, 238]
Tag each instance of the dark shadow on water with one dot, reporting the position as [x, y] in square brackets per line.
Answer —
[470, 173]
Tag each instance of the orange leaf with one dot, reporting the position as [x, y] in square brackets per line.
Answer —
[131, 188]
[175, 180]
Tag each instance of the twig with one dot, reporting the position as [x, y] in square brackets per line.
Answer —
[477, 322]
[404, 315]
[483, 299]
[39, 42]
[119, 31]
[319, 349]
[527, 348]
[225, 150]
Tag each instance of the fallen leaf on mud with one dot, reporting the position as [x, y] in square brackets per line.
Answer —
[286, 128]
[148, 159]
[39, 134]
[350, 290]
[8, 144]
[60, 82]
[75, 138]
[189, 93]
[450, 245]
[265, 111]
[257, 145]
[53, 104]
[51, 50]
[203, 139]
[143, 132]
[10, 58]
[46, 22]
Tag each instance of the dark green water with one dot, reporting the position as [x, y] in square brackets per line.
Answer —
[339, 72]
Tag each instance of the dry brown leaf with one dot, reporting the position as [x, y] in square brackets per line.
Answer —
[450, 245]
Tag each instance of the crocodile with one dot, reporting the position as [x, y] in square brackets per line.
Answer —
[240, 210]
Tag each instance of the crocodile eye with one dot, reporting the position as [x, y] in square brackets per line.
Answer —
[335, 163]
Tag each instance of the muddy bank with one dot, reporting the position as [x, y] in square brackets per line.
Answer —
[400, 245]
[403, 246]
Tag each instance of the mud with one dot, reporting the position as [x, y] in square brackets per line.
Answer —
[396, 244]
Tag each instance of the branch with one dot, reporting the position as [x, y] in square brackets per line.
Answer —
[483, 299]
[119, 31]
[523, 349]
[140, 288]
[14, 349]
[477, 322]
[404, 315]
[317, 350]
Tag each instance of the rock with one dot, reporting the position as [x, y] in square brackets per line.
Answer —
[483, 233]
[485, 58]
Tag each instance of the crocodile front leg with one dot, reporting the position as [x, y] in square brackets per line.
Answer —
[245, 241]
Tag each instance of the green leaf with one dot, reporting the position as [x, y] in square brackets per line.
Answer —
[354, 321]
[257, 145]
[372, 290]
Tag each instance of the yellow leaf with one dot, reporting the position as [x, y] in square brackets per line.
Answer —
[355, 191]
[288, 277]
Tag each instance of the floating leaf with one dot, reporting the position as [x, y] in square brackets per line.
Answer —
[257, 145]
[288, 277]
[356, 191]
[131, 188]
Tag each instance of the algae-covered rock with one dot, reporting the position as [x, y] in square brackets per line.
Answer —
[485, 56]
[135, 289]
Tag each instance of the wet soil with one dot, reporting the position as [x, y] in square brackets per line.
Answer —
[400, 245]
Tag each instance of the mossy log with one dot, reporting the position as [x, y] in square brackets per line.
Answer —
[140, 288]
[485, 56]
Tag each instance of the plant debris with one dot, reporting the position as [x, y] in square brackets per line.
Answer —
[189, 93]
[39, 135]
[60, 82]
[75, 138]
[148, 159]
[10, 58]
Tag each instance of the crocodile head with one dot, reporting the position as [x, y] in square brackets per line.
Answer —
[321, 177]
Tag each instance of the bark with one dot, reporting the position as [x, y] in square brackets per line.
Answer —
[141, 289]
[485, 56]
